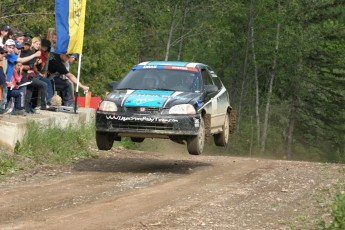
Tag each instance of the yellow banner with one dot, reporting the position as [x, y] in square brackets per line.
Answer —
[76, 22]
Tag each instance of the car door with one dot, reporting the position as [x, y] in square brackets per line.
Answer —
[211, 91]
[222, 99]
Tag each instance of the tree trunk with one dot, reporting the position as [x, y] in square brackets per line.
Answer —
[257, 99]
[269, 95]
[182, 34]
[170, 34]
[244, 78]
[292, 119]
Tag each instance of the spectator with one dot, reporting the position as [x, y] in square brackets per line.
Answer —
[57, 68]
[18, 37]
[33, 76]
[15, 93]
[11, 59]
[2, 75]
[3, 33]
[27, 35]
[18, 48]
[70, 60]
[53, 44]
[9, 35]
[42, 67]
[35, 43]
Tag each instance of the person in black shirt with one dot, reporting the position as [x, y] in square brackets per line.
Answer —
[57, 68]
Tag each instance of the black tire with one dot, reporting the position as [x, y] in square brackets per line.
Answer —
[195, 144]
[137, 139]
[104, 140]
[222, 139]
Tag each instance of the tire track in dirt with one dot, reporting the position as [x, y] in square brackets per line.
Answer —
[137, 190]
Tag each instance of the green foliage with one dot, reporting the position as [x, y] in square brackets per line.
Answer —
[338, 214]
[7, 164]
[34, 16]
[56, 145]
[127, 143]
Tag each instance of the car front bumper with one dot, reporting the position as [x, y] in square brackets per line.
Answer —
[148, 124]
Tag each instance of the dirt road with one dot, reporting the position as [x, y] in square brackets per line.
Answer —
[141, 190]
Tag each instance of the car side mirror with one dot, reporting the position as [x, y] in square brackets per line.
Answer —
[210, 88]
[113, 85]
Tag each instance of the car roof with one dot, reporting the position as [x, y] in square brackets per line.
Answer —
[177, 65]
[171, 63]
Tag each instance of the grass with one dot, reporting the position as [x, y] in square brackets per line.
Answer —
[55, 145]
[7, 164]
[337, 218]
[337, 214]
[127, 143]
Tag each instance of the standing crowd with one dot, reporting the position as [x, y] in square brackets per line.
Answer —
[28, 65]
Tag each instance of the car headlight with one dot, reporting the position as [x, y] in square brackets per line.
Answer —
[108, 106]
[182, 109]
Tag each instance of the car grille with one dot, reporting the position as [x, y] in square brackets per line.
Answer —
[141, 126]
[143, 110]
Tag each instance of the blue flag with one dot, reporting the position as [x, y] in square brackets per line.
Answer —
[70, 21]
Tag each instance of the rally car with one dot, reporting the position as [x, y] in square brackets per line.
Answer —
[183, 101]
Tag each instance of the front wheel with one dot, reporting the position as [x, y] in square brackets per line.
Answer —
[195, 144]
[222, 139]
[104, 140]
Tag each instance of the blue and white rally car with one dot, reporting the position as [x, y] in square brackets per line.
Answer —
[185, 102]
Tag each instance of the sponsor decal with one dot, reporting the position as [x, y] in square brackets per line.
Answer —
[196, 123]
[144, 119]
[145, 92]
[150, 67]
[142, 101]
[182, 68]
[192, 69]
[148, 98]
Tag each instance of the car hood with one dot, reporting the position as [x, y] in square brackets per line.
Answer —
[153, 98]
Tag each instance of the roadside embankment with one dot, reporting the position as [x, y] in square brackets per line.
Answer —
[13, 128]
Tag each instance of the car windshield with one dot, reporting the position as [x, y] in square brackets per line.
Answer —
[161, 79]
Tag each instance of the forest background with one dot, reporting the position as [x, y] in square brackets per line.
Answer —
[281, 61]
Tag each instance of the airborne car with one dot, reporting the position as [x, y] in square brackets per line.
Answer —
[185, 102]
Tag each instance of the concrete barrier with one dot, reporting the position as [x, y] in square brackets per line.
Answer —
[13, 128]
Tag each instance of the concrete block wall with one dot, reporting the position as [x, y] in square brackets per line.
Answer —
[13, 128]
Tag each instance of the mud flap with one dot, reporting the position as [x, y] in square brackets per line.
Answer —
[233, 121]
[207, 123]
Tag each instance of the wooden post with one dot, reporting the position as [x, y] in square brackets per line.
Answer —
[88, 99]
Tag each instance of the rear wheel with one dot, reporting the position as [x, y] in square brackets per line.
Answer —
[195, 144]
[222, 139]
[137, 139]
[104, 140]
